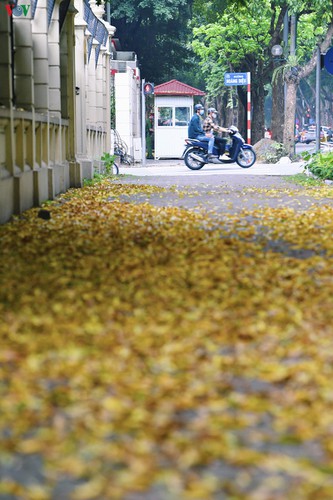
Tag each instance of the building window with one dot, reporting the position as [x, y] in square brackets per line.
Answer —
[170, 116]
[182, 115]
[164, 116]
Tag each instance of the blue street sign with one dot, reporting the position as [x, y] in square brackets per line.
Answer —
[235, 78]
[328, 60]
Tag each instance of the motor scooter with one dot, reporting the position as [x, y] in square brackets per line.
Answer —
[195, 154]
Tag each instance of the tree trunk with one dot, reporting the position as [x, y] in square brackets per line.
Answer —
[292, 79]
[258, 115]
[289, 124]
[277, 123]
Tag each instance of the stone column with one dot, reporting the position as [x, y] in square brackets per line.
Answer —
[103, 75]
[41, 94]
[98, 10]
[7, 141]
[100, 104]
[80, 63]
[81, 60]
[25, 144]
[105, 99]
[7, 169]
[24, 69]
[111, 29]
[75, 168]
[92, 108]
[40, 54]
[54, 64]
[6, 94]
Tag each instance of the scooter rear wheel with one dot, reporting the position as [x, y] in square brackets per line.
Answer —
[191, 159]
[246, 158]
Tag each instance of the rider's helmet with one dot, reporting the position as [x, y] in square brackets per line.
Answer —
[197, 107]
[211, 110]
[233, 130]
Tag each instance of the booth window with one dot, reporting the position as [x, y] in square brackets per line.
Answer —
[164, 116]
[169, 116]
[182, 116]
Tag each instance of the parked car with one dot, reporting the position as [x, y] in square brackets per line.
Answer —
[309, 134]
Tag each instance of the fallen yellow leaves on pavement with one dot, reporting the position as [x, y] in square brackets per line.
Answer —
[162, 351]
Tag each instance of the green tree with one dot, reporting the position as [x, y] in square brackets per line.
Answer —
[238, 41]
[241, 40]
[158, 31]
[317, 21]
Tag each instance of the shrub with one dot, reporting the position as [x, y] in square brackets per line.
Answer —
[320, 164]
[108, 162]
[269, 151]
[276, 153]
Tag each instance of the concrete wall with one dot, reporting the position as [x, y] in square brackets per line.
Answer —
[128, 110]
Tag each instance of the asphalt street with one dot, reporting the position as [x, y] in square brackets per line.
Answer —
[220, 189]
[176, 168]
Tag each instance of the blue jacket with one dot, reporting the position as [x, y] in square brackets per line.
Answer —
[195, 127]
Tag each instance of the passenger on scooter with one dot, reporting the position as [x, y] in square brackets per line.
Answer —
[209, 127]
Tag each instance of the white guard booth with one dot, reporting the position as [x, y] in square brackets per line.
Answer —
[172, 113]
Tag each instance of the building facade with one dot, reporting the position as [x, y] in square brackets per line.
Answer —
[126, 84]
[54, 98]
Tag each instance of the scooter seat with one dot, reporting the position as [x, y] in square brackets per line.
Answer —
[191, 140]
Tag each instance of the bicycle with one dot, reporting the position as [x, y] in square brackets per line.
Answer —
[115, 169]
[120, 149]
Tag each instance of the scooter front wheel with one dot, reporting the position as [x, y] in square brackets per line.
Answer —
[194, 159]
[246, 158]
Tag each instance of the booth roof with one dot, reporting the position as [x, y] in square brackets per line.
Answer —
[174, 87]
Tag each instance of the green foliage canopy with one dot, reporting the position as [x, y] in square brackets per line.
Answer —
[158, 31]
[147, 11]
[233, 42]
[239, 38]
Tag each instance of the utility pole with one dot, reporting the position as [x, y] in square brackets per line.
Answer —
[143, 124]
[293, 37]
[293, 34]
[285, 49]
[318, 77]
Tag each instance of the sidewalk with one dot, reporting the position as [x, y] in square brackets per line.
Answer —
[153, 354]
[178, 168]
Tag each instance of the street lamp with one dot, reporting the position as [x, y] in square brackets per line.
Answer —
[277, 51]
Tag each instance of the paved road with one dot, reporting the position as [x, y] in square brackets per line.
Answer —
[178, 168]
[220, 188]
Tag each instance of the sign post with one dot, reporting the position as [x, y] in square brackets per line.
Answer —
[318, 75]
[249, 108]
[143, 124]
[234, 79]
[328, 64]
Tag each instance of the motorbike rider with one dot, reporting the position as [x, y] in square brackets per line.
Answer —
[209, 127]
[195, 130]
